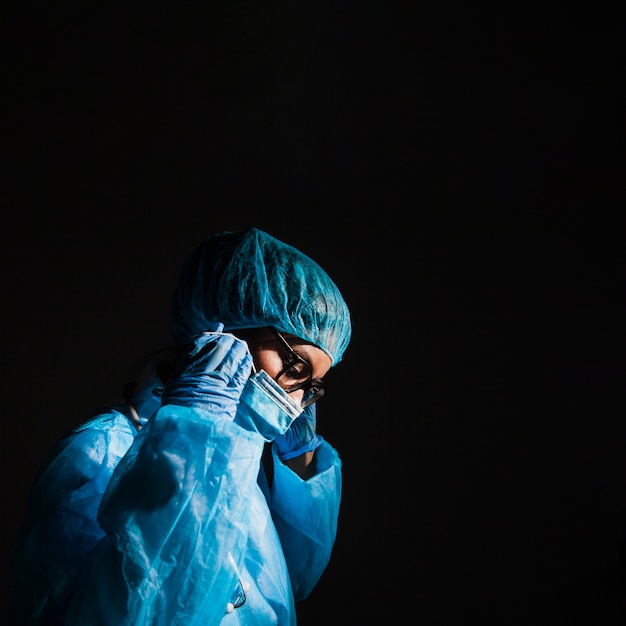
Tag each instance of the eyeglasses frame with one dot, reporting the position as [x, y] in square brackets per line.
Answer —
[309, 384]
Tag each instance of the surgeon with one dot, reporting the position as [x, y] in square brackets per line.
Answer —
[160, 511]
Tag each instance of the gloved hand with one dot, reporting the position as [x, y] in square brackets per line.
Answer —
[210, 375]
[300, 437]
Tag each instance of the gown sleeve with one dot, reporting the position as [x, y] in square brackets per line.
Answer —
[306, 513]
[177, 497]
[60, 526]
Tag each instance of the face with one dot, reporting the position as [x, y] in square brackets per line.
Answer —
[298, 367]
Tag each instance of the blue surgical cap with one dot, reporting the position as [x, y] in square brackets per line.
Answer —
[249, 279]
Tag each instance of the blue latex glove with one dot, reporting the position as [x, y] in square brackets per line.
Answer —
[300, 437]
[210, 375]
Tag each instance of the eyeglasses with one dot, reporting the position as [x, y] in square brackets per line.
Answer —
[298, 374]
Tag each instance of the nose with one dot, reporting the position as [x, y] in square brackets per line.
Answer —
[297, 395]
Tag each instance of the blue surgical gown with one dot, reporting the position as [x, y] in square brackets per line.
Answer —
[171, 524]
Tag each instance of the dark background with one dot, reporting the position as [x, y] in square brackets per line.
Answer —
[459, 173]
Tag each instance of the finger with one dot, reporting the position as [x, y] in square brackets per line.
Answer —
[242, 373]
[212, 350]
[237, 363]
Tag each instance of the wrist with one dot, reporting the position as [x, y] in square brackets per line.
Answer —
[303, 465]
[310, 446]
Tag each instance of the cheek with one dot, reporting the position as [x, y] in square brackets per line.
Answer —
[269, 361]
[297, 395]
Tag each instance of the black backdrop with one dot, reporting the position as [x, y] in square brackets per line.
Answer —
[459, 173]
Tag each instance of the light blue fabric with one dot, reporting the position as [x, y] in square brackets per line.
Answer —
[249, 279]
[115, 514]
[265, 407]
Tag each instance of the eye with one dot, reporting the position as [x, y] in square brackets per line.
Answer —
[296, 371]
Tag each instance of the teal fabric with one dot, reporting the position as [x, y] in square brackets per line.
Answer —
[249, 279]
